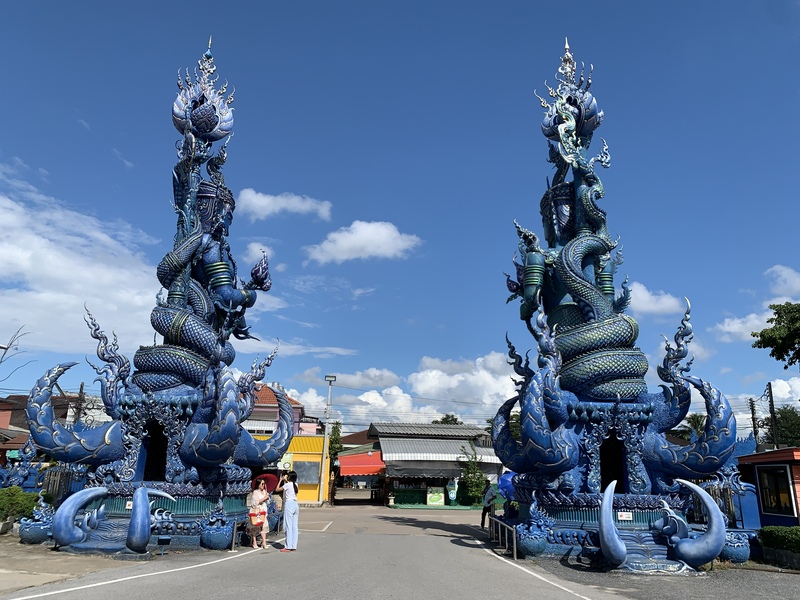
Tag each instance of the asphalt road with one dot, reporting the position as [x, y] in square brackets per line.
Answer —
[365, 552]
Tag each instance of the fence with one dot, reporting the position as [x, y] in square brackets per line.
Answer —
[503, 534]
[63, 480]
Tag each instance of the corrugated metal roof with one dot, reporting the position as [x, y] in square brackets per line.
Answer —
[307, 444]
[371, 447]
[435, 430]
[394, 449]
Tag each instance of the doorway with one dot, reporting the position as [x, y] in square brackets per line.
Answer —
[612, 463]
[155, 444]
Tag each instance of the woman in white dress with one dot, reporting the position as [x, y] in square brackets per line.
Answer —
[291, 511]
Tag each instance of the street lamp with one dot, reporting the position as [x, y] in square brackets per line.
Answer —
[330, 379]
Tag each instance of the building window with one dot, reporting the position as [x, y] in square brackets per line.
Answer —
[775, 487]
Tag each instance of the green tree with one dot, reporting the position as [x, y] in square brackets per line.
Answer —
[470, 485]
[788, 421]
[783, 337]
[513, 423]
[448, 419]
[335, 440]
[694, 423]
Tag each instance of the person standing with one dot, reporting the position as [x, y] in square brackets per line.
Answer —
[291, 511]
[489, 494]
[259, 525]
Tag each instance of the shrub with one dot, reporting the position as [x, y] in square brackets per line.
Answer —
[780, 538]
[470, 486]
[17, 504]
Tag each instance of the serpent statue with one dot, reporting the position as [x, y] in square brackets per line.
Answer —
[586, 416]
[176, 420]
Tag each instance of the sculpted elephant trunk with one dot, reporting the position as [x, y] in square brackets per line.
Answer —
[65, 532]
[140, 525]
[611, 543]
[699, 551]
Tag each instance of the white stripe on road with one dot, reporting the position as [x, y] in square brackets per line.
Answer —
[121, 579]
[528, 571]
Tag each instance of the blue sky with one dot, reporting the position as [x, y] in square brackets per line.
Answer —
[382, 151]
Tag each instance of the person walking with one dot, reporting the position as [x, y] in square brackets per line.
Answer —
[489, 494]
[291, 511]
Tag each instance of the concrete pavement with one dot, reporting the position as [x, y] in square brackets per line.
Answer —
[349, 528]
[27, 566]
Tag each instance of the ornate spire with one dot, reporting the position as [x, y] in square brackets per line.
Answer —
[200, 108]
[567, 68]
[206, 62]
[572, 94]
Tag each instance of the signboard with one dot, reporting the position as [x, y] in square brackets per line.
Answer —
[624, 516]
[286, 463]
[435, 496]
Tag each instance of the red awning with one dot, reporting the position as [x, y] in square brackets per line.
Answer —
[368, 463]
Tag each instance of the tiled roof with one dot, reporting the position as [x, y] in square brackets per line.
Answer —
[425, 430]
[356, 439]
[394, 449]
[18, 403]
[265, 396]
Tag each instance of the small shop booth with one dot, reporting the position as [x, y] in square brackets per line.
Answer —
[776, 474]
[424, 460]
[362, 467]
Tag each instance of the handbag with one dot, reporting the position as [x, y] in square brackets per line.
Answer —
[257, 516]
[256, 520]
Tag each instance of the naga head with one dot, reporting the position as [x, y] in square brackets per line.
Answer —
[571, 96]
[200, 108]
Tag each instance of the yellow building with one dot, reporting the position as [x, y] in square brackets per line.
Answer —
[305, 456]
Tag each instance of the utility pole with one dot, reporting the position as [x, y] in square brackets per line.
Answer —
[773, 419]
[752, 404]
[322, 468]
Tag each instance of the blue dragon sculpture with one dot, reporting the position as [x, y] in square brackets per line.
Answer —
[183, 388]
[586, 415]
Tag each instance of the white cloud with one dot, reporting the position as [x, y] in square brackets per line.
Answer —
[786, 391]
[482, 384]
[84, 124]
[643, 301]
[128, 164]
[255, 251]
[784, 284]
[294, 347]
[260, 206]
[359, 292]
[470, 389]
[56, 260]
[370, 378]
[785, 281]
[740, 328]
[361, 240]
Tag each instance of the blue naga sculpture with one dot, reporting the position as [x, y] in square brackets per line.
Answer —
[587, 419]
[176, 420]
